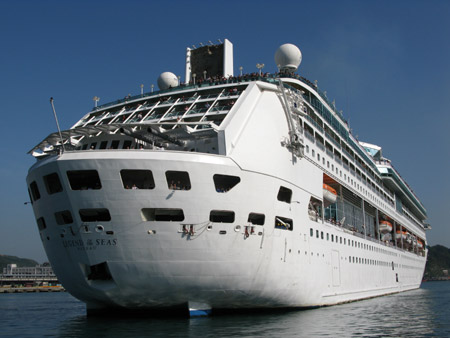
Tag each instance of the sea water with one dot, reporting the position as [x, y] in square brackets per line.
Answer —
[420, 313]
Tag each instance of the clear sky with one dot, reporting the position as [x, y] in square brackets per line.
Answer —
[386, 63]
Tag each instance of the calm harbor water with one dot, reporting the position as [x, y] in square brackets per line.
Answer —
[419, 313]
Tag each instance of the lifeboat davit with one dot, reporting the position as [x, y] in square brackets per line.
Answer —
[329, 195]
[385, 226]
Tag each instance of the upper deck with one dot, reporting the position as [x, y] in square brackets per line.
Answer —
[189, 117]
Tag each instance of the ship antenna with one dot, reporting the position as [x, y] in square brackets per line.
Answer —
[57, 124]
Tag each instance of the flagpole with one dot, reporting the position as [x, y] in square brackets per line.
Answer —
[57, 124]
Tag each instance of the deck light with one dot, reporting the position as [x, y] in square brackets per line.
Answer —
[96, 99]
[260, 66]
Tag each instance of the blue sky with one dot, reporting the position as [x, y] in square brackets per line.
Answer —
[386, 63]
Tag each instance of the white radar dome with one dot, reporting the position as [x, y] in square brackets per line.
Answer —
[167, 80]
[288, 57]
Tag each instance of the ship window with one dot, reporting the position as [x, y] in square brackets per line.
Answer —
[321, 234]
[95, 215]
[84, 179]
[35, 191]
[307, 149]
[317, 233]
[178, 180]
[283, 223]
[311, 232]
[328, 236]
[313, 152]
[99, 272]
[162, 214]
[41, 223]
[137, 179]
[103, 145]
[63, 217]
[84, 146]
[257, 219]
[93, 145]
[224, 183]
[127, 144]
[115, 144]
[221, 216]
[52, 183]
[332, 238]
[284, 195]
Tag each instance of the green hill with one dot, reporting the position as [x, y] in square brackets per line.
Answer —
[438, 260]
[5, 260]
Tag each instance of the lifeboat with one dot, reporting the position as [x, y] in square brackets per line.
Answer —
[329, 195]
[400, 235]
[385, 226]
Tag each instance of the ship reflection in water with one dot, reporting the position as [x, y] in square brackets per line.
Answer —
[418, 313]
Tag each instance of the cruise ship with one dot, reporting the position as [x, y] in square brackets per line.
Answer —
[225, 191]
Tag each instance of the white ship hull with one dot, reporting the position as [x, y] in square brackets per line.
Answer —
[166, 267]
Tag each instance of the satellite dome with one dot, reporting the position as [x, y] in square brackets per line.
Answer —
[288, 57]
[167, 80]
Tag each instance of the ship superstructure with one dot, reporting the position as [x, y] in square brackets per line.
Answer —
[227, 191]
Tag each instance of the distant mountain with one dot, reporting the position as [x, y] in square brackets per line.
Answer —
[438, 260]
[5, 260]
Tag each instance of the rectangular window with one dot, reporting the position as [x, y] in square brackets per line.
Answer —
[162, 215]
[95, 215]
[63, 217]
[103, 144]
[178, 180]
[284, 195]
[137, 179]
[127, 144]
[115, 144]
[317, 233]
[311, 232]
[321, 235]
[35, 191]
[93, 145]
[283, 223]
[224, 183]
[41, 223]
[84, 179]
[52, 183]
[256, 219]
[221, 216]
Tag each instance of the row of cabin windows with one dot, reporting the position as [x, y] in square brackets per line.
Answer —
[162, 215]
[368, 261]
[131, 179]
[127, 144]
[138, 179]
[353, 243]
